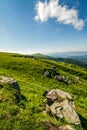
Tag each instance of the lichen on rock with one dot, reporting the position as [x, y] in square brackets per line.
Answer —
[60, 104]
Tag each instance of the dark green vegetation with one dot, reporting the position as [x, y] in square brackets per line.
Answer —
[27, 114]
[79, 55]
[77, 60]
[73, 61]
[80, 58]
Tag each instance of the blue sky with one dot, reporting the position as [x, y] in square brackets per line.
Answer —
[25, 29]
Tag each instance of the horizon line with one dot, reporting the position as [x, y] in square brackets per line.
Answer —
[37, 52]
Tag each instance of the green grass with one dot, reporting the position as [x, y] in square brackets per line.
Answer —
[28, 113]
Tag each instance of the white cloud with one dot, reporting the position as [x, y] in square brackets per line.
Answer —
[63, 14]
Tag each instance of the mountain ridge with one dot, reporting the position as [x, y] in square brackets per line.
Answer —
[67, 54]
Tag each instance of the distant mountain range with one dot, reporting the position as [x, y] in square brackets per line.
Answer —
[81, 55]
[81, 58]
[71, 58]
[67, 54]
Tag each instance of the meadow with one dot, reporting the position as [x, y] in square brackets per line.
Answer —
[27, 114]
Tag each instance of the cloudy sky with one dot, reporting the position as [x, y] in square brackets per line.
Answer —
[31, 26]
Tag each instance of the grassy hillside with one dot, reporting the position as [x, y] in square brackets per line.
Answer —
[80, 58]
[73, 61]
[42, 56]
[28, 113]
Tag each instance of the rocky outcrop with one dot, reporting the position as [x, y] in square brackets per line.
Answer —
[52, 73]
[12, 82]
[60, 104]
[63, 79]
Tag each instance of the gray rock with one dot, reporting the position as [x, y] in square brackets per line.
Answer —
[50, 126]
[50, 73]
[59, 94]
[47, 74]
[12, 82]
[61, 104]
[63, 79]
[58, 77]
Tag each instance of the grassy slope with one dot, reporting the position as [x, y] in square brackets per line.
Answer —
[81, 58]
[73, 61]
[42, 56]
[27, 114]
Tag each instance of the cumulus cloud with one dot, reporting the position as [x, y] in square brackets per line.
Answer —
[63, 14]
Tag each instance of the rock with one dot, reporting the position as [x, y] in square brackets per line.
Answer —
[58, 77]
[67, 127]
[51, 73]
[60, 104]
[47, 74]
[50, 126]
[63, 79]
[58, 93]
[12, 82]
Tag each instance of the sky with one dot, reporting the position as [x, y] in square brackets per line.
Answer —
[43, 26]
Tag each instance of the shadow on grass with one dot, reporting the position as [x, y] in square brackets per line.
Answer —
[23, 97]
[83, 122]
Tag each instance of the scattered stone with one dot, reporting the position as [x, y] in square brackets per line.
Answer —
[58, 77]
[12, 82]
[47, 74]
[63, 79]
[60, 104]
[52, 73]
[50, 126]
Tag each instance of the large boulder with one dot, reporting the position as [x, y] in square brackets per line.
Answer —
[60, 104]
[12, 82]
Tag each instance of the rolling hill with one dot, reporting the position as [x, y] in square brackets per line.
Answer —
[28, 113]
[80, 58]
[77, 60]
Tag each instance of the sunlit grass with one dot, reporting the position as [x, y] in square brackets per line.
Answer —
[28, 113]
